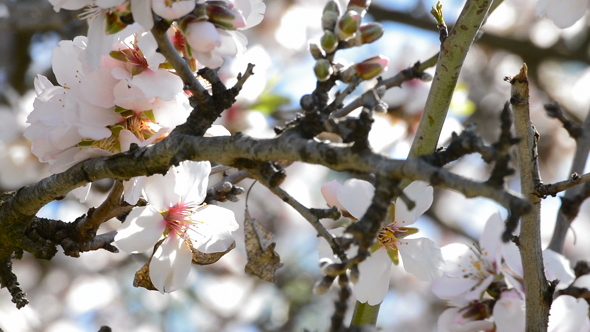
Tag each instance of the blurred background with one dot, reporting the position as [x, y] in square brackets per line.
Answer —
[70, 295]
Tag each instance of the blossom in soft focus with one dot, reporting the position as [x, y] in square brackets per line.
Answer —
[420, 256]
[563, 13]
[177, 213]
[100, 111]
[470, 271]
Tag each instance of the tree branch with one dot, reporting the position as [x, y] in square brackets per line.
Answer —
[538, 297]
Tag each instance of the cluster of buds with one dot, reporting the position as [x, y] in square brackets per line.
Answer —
[345, 30]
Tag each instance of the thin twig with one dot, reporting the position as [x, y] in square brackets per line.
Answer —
[565, 215]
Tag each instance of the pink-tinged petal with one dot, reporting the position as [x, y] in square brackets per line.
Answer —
[171, 264]
[66, 62]
[141, 230]
[421, 194]
[142, 13]
[373, 283]
[202, 36]
[509, 314]
[97, 88]
[148, 45]
[177, 10]
[131, 97]
[355, 196]
[171, 113]
[192, 180]
[490, 240]
[422, 258]
[568, 314]
[159, 83]
[558, 267]
[330, 193]
[213, 229]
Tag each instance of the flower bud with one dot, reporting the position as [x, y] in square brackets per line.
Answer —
[361, 6]
[323, 69]
[348, 24]
[225, 17]
[316, 51]
[330, 15]
[329, 41]
[370, 32]
[371, 67]
[323, 286]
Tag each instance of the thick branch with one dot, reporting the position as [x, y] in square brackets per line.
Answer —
[538, 299]
[452, 54]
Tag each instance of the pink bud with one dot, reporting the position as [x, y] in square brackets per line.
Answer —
[371, 67]
[370, 32]
[225, 17]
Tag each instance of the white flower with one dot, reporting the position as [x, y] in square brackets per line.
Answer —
[568, 314]
[564, 13]
[100, 111]
[470, 271]
[177, 213]
[420, 256]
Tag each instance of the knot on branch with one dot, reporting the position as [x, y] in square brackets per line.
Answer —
[352, 130]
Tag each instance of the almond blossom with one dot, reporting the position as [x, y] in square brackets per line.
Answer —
[98, 112]
[469, 272]
[484, 287]
[177, 214]
[420, 256]
[563, 13]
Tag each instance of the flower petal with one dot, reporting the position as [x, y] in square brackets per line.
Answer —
[558, 267]
[568, 314]
[355, 196]
[192, 180]
[171, 264]
[422, 258]
[419, 192]
[214, 228]
[375, 273]
[141, 230]
[509, 314]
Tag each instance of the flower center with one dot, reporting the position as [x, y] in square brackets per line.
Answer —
[390, 234]
[178, 219]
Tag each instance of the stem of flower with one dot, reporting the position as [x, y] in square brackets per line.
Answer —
[365, 314]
